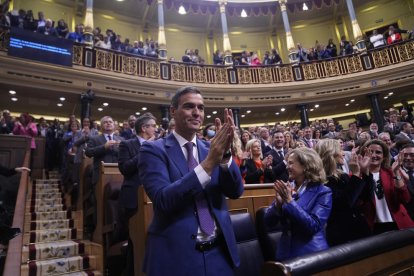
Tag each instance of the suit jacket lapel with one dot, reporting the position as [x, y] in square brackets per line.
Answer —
[202, 150]
[308, 196]
[175, 153]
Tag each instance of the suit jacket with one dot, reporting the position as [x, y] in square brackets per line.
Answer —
[410, 205]
[172, 188]
[303, 222]
[402, 137]
[128, 166]
[395, 199]
[278, 166]
[254, 174]
[96, 149]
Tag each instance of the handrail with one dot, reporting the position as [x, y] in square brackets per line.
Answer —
[154, 68]
[14, 251]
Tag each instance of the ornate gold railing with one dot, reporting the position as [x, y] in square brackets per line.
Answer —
[125, 63]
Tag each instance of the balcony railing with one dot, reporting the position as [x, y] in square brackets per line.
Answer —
[133, 65]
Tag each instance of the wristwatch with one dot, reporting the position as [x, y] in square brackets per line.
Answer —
[397, 177]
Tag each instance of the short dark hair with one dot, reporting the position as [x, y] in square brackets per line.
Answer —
[182, 91]
[143, 120]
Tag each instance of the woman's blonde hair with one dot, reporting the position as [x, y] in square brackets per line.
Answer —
[250, 144]
[312, 164]
[328, 150]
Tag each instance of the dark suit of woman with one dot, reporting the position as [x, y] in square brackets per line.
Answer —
[345, 223]
[253, 174]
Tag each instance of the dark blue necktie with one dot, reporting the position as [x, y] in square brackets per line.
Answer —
[204, 217]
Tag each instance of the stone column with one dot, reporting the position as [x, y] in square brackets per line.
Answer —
[304, 119]
[289, 39]
[88, 31]
[162, 44]
[236, 116]
[360, 43]
[228, 59]
[376, 111]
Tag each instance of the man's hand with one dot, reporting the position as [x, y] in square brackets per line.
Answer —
[221, 142]
[111, 144]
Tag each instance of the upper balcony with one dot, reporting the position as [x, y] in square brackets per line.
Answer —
[128, 78]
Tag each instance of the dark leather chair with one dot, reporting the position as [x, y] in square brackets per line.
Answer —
[348, 253]
[251, 258]
[268, 235]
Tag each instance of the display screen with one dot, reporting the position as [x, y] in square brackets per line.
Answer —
[34, 46]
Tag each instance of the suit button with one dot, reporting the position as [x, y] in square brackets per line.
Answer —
[195, 213]
[193, 237]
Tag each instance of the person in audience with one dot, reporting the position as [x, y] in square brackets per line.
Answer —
[104, 147]
[383, 198]
[218, 58]
[80, 140]
[302, 210]
[245, 137]
[373, 130]
[145, 127]
[138, 48]
[255, 61]
[178, 177]
[267, 59]
[62, 28]
[24, 125]
[316, 135]
[264, 140]
[393, 37]
[302, 54]
[187, 56]
[346, 47]
[377, 39]
[209, 131]
[289, 140]
[244, 59]
[47, 29]
[407, 160]
[405, 116]
[77, 35]
[405, 133]
[392, 125]
[278, 154]
[196, 58]
[129, 131]
[345, 222]
[307, 137]
[7, 123]
[151, 50]
[331, 47]
[30, 23]
[41, 21]
[258, 169]
[275, 58]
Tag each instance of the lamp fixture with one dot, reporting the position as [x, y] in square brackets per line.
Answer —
[282, 109]
[137, 113]
[105, 104]
[208, 116]
[243, 13]
[181, 10]
[12, 92]
[305, 7]
[214, 112]
[59, 104]
[144, 108]
[248, 111]
[14, 99]
[243, 115]
[62, 99]
[100, 109]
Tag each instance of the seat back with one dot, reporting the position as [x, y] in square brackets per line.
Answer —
[268, 235]
[116, 233]
[251, 258]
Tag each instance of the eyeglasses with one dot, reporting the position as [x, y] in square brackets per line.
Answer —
[408, 154]
[379, 189]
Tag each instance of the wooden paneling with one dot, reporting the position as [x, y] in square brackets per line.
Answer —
[13, 149]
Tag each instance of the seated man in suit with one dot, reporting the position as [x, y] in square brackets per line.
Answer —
[407, 158]
[104, 148]
[188, 180]
[278, 153]
[128, 165]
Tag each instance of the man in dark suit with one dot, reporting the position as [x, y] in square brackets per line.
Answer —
[405, 133]
[129, 132]
[188, 180]
[128, 165]
[104, 148]
[407, 157]
[278, 153]
[307, 138]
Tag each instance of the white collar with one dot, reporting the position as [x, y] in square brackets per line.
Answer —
[182, 141]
